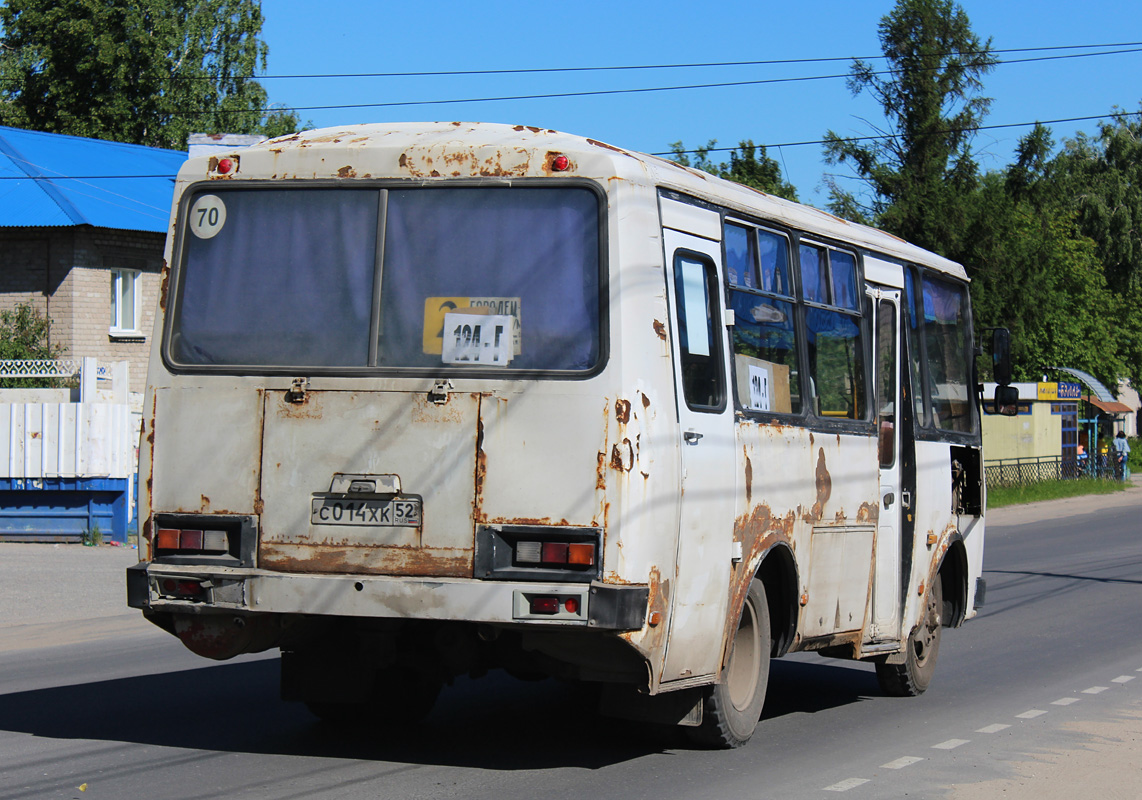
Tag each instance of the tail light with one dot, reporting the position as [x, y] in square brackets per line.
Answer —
[170, 541]
[556, 554]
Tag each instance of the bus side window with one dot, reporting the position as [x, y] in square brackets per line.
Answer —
[915, 354]
[765, 329]
[694, 287]
[835, 335]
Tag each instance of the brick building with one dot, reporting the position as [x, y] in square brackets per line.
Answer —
[82, 227]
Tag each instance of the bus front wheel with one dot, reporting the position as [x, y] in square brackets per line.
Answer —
[731, 709]
[913, 676]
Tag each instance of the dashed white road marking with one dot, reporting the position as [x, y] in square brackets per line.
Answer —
[901, 763]
[951, 744]
[1065, 701]
[1095, 689]
[1122, 679]
[996, 728]
[845, 785]
[1034, 712]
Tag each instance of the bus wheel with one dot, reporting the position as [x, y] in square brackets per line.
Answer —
[913, 676]
[732, 708]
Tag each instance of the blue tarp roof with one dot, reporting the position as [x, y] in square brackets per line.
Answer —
[47, 179]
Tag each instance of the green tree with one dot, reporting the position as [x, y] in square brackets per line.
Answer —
[1034, 271]
[1102, 178]
[140, 71]
[751, 166]
[919, 172]
[25, 334]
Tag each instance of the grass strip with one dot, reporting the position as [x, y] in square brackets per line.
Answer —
[1000, 496]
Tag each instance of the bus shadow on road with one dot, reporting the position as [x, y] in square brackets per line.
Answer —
[496, 722]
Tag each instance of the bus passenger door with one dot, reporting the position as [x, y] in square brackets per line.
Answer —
[894, 498]
[706, 446]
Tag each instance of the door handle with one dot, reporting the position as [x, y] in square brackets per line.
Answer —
[691, 437]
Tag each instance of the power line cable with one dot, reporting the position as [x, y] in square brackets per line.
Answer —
[631, 67]
[973, 128]
[1114, 115]
[597, 92]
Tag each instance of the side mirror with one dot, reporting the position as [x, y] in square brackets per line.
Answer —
[1006, 400]
[1001, 356]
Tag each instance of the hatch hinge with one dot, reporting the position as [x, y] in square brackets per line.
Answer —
[439, 392]
[297, 390]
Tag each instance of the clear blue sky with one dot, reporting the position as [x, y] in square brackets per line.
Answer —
[341, 36]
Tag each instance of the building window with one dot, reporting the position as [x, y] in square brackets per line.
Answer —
[125, 302]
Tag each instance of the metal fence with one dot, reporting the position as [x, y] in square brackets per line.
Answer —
[1025, 471]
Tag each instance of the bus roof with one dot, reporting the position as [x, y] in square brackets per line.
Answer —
[436, 150]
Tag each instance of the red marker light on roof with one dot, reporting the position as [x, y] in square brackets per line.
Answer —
[225, 166]
[560, 163]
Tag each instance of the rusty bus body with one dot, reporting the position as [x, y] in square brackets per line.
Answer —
[583, 412]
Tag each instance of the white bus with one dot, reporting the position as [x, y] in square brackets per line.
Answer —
[430, 399]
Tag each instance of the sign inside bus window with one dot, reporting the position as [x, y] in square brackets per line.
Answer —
[760, 381]
[436, 308]
[484, 339]
[207, 216]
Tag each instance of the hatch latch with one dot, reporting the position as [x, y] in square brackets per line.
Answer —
[297, 389]
[439, 392]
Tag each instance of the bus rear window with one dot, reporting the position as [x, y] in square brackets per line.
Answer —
[445, 278]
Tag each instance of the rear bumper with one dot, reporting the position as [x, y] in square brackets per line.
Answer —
[598, 606]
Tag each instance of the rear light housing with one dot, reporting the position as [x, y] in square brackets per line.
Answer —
[221, 539]
[539, 552]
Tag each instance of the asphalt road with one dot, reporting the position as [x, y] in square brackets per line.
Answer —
[1051, 665]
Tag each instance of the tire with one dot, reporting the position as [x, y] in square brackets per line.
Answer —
[731, 709]
[913, 676]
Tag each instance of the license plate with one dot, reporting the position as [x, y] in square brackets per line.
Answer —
[337, 511]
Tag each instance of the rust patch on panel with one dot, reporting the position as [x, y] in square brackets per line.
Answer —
[166, 273]
[601, 471]
[481, 471]
[620, 460]
[546, 522]
[622, 411]
[605, 146]
[759, 532]
[824, 488]
[411, 561]
[868, 512]
[748, 480]
[657, 610]
[346, 172]
[645, 400]
[660, 330]
[308, 407]
[205, 502]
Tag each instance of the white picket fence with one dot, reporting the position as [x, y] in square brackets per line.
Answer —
[91, 438]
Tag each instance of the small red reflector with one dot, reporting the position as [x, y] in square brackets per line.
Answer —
[554, 553]
[582, 554]
[545, 605]
[167, 539]
[560, 163]
[571, 605]
[225, 166]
